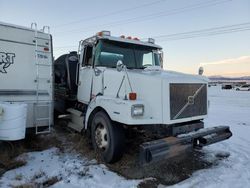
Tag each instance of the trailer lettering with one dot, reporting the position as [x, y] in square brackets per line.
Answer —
[42, 56]
[3, 57]
[6, 59]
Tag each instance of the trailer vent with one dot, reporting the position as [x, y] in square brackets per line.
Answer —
[187, 100]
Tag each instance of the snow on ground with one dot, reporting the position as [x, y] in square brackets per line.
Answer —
[71, 169]
[227, 107]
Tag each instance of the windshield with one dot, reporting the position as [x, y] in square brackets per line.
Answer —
[133, 56]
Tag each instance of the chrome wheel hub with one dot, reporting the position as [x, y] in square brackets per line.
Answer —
[101, 137]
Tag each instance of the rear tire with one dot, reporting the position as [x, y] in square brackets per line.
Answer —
[107, 138]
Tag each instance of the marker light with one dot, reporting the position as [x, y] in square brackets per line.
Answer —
[151, 40]
[129, 37]
[132, 96]
[46, 49]
[103, 33]
[122, 36]
[135, 38]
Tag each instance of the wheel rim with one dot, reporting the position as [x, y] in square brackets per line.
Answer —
[101, 137]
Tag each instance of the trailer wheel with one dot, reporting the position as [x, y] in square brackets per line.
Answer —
[107, 138]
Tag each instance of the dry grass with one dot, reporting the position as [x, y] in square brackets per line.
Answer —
[46, 183]
[51, 181]
[10, 164]
[10, 150]
[15, 164]
[148, 183]
[26, 185]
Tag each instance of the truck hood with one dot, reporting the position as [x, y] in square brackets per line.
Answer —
[153, 88]
[170, 76]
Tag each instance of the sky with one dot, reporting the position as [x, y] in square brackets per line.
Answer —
[226, 54]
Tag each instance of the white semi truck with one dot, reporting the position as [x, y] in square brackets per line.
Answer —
[26, 77]
[117, 83]
[110, 85]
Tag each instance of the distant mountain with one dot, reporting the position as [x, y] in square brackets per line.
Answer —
[229, 78]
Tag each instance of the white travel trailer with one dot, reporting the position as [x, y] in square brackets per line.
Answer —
[25, 78]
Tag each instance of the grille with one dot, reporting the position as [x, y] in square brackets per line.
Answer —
[187, 100]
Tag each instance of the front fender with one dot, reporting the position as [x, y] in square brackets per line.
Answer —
[118, 109]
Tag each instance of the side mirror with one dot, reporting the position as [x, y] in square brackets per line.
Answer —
[119, 65]
[161, 59]
[159, 54]
[201, 70]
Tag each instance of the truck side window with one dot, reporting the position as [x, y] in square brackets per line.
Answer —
[87, 60]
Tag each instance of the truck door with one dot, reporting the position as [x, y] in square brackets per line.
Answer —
[85, 75]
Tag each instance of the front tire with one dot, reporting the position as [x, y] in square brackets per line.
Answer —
[107, 138]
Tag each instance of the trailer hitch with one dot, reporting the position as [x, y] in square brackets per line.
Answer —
[170, 147]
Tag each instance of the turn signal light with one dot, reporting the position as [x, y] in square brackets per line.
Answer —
[132, 96]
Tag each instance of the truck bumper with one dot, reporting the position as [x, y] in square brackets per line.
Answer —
[169, 147]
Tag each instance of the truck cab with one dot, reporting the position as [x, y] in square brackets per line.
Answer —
[121, 84]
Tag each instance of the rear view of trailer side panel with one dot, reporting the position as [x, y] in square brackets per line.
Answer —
[26, 73]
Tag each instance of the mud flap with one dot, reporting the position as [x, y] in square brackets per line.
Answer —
[169, 147]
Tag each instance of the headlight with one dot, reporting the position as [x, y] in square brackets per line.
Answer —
[137, 110]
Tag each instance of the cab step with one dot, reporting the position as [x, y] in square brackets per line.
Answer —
[76, 119]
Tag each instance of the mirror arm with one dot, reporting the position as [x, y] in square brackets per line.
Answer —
[125, 69]
[117, 95]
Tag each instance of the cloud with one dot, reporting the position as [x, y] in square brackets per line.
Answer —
[239, 60]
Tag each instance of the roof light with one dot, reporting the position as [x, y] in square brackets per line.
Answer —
[135, 38]
[151, 40]
[103, 33]
[129, 37]
[122, 36]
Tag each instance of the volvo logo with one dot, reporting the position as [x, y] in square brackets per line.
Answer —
[190, 99]
[6, 59]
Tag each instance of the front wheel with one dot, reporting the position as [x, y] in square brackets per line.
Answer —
[107, 138]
